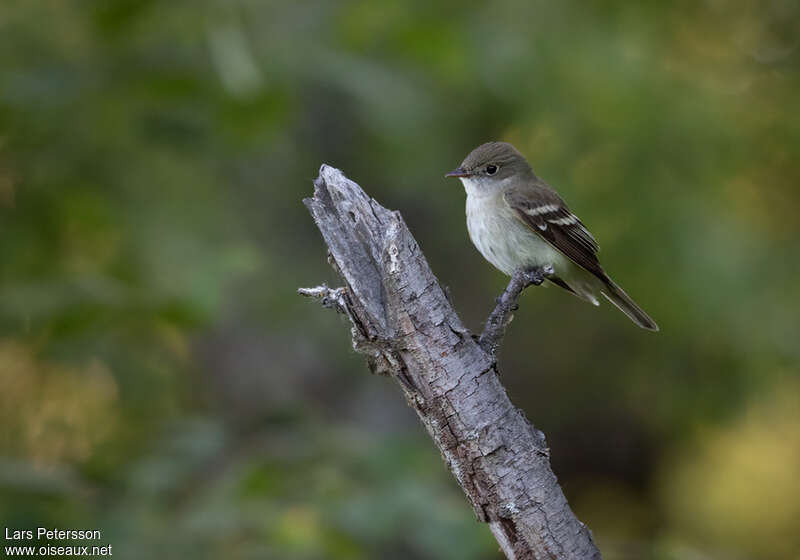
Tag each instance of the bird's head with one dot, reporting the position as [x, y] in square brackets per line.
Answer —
[491, 166]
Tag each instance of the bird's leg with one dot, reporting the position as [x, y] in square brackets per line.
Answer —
[535, 276]
[507, 302]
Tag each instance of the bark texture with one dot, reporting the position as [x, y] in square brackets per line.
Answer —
[403, 322]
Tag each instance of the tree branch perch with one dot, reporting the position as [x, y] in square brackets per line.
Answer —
[403, 322]
[503, 312]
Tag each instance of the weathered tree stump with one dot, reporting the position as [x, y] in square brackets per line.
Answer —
[403, 322]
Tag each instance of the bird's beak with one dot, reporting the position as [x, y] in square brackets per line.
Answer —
[458, 172]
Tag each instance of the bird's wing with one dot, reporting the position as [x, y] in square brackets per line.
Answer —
[542, 210]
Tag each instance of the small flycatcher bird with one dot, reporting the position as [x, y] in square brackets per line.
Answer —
[519, 223]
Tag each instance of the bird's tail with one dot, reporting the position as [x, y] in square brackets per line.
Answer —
[623, 301]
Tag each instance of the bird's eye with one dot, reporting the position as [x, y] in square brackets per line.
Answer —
[491, 169]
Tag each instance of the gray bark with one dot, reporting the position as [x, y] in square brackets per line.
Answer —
[403, 322]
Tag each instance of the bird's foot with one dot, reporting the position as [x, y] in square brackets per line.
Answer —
[535, 276]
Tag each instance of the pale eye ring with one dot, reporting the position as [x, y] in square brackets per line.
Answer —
[491, 169]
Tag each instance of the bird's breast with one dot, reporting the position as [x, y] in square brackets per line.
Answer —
[503, 239]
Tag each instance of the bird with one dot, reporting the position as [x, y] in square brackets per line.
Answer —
[521, 224]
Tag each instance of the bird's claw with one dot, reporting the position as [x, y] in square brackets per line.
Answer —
[535, 276]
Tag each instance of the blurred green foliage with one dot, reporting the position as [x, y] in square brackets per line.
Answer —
[161, 381]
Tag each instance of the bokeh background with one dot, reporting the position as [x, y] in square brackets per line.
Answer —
[161, 381]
